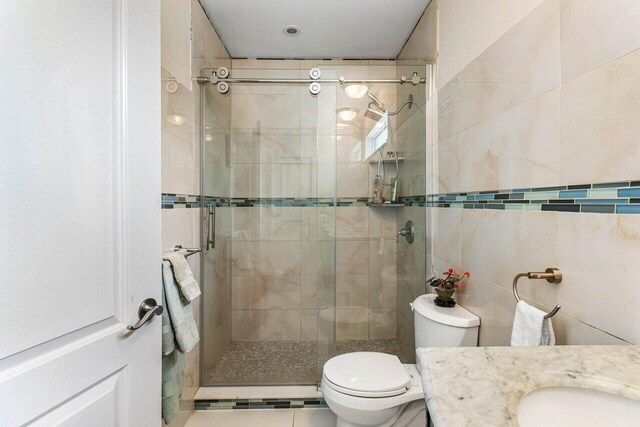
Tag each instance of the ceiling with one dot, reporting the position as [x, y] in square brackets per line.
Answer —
[363, 29]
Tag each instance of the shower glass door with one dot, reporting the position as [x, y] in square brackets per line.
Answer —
[269, 189]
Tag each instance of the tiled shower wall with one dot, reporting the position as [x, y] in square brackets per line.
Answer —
[414, 127]
[189, 42]
[284, 143]
[553, 102]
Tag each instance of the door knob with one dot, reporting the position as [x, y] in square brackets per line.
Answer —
[146, 311]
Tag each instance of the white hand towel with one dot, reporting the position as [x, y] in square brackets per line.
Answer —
[530, 327]
[188, 285]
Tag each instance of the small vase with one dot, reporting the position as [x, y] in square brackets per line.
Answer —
[444, 298]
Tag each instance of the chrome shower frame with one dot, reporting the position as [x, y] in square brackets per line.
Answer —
[220, 77]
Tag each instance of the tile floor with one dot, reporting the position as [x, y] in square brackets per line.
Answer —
[263, 418]
[284, 362]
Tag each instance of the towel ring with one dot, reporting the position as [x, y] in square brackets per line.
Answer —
[552, 275]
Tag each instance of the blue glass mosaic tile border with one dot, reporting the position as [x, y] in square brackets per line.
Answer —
[280, 403]
[611, 198]
[176, 201]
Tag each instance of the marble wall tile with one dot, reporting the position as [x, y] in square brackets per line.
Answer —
[245, 293]
[494, 305]
[352, 222]
[383, 289]
[279, 147]
[382, 323]
[278, 292]
[570, 331]
[245, 225]
[245, 325]
[310, 291]
[317, 223]
[352, 323]
[178, 159]
[467, 28]
[205, 40]
[309, 325]
[352, 290]
[499, 245]
[245, 146]
[317, 257]
[352, 257]
[180, 227]
[519, 66]
[382, 257]
[319, 146]
[180, 102]
[279, 223]
[600, 126]
[598, 257]
[279, 325]
[446, 165]
[517, 149]
[447, 238]
[382, 223]
[245, 180]
[353, 180]
[271, 111]
[279, 180]
[272, 258]
[176, 40]
[594, 33]
[350, 147]
[449, 100]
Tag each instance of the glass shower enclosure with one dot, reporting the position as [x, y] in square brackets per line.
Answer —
[298, 264]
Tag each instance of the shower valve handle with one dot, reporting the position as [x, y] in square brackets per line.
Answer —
[407, 232]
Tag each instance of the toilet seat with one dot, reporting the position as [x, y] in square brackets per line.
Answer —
[361, 393]
[367, 374]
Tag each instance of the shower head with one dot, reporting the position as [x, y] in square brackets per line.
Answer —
[374, 113]
[376, 108]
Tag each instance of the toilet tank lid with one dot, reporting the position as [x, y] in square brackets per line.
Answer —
[451, 316]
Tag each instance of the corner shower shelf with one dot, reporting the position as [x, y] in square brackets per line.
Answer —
[400, 159]
[385, 205]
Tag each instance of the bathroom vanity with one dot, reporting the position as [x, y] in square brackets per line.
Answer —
[527, 386]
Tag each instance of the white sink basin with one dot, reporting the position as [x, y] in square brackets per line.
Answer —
[571, 406]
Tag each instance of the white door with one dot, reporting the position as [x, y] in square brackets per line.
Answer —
[80, 214]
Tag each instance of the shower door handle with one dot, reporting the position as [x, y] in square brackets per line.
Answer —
[211, 227]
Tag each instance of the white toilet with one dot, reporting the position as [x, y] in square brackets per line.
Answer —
[375, 389]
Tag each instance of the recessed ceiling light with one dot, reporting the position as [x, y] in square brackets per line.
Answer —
[356, 91]
[347, 114]
[291, 30]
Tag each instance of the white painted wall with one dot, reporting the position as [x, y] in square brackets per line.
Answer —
[468, 27]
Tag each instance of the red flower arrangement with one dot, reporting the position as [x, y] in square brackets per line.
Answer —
[446, 286]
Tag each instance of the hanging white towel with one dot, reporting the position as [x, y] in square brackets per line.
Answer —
[184, 276]
[530, 328]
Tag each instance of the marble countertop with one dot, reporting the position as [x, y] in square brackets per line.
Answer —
[482, 386]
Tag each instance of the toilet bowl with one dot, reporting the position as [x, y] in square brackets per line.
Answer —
[373, 389]
[376, 389]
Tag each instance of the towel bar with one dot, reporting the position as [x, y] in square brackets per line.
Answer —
[552, 275]
[190, 251]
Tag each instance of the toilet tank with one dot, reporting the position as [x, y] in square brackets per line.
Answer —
[443, 326]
